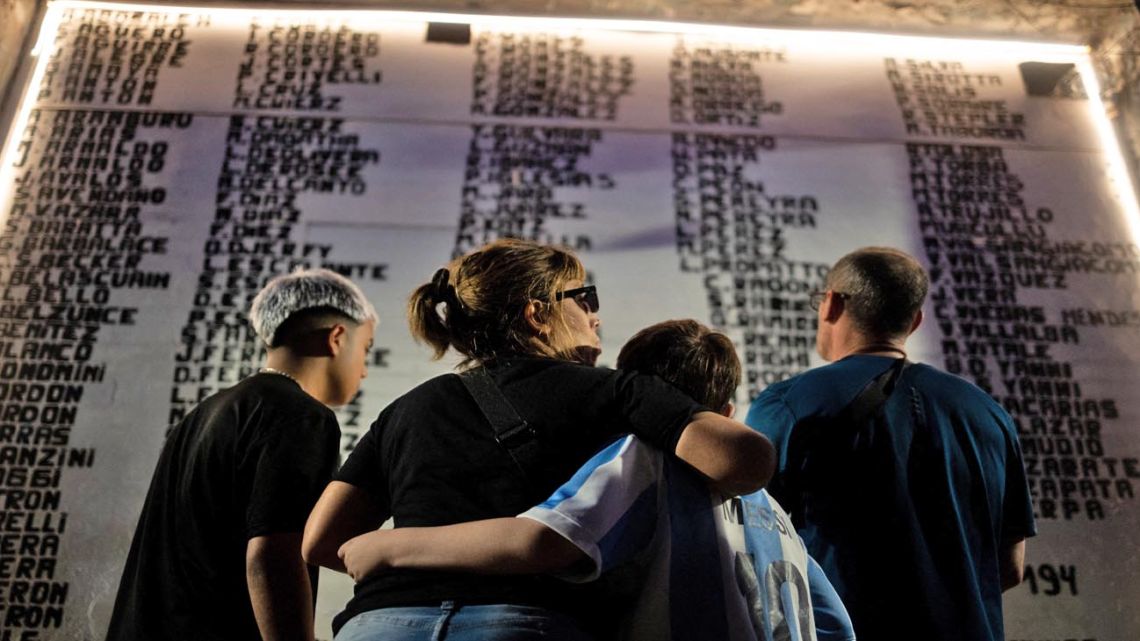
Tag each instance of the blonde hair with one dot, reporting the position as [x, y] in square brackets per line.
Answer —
[280, 305]
[476, 305]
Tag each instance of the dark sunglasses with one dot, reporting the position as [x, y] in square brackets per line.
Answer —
[584, 296]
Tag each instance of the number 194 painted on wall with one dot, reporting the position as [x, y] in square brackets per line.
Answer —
[1051, 580]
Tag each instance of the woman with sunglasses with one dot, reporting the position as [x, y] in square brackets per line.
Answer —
[527, 326]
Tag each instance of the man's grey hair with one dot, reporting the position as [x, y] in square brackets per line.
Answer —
[884, 288]
[306, 289]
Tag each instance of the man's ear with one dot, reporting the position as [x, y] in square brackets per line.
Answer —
[337, 339]
[916, 323]
[835, 306]
[536, 317]
[729, 410]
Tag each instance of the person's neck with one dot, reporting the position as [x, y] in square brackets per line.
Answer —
[306, 372]
[877, 347]
[848, 341]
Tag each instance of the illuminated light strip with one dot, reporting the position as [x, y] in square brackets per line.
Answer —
[48, 30]
[1118, 176]
[45, 45]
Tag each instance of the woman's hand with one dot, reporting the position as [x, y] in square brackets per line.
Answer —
[366, 554]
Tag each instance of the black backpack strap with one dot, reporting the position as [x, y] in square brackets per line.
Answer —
[874, 395]
[511, 431]
[830, 437]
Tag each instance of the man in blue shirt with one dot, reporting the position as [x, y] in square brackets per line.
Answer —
[918, 511]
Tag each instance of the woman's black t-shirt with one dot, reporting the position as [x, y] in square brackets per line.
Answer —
[430, 458]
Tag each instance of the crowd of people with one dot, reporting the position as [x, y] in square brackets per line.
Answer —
[535, 495]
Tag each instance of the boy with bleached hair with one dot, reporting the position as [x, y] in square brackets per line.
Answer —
[217, 550]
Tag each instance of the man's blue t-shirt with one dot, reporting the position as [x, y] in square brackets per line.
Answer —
[910, 535]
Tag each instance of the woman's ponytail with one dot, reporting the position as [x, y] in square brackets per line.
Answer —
[426, 325]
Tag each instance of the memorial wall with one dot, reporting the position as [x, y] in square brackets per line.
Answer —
[165, 162]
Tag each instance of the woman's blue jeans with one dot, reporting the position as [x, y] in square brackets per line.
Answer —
[453, 622]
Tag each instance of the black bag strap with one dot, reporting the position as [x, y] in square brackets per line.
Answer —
[874, 395]
[511, 431]
[790, 487]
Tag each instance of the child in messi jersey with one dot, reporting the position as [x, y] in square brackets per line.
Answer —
[709, 566]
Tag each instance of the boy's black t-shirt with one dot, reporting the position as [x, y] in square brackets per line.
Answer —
[430, 458]
[249, 461]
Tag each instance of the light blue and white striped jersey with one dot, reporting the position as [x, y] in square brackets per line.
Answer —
[729, 569]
